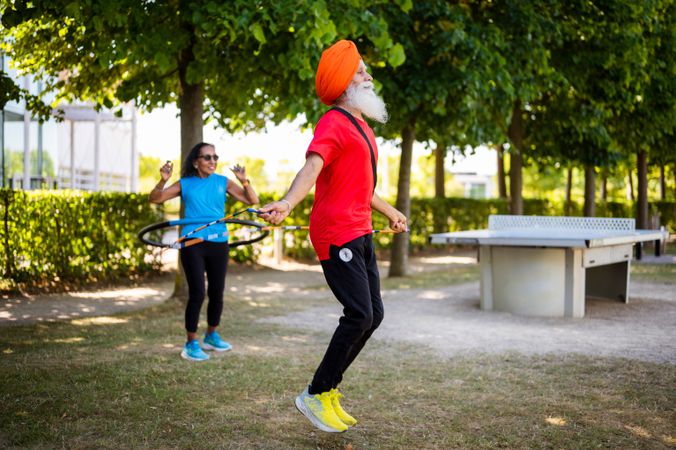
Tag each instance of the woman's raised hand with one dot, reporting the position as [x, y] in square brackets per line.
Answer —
[240, 172]
[166, 170]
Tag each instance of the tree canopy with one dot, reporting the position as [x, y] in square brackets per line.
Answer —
[254, 61]
[581, 82]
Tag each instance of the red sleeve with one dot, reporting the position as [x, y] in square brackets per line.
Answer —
[326, 141]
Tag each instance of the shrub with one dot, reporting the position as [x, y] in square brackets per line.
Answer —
[77, 237]
[73, 236]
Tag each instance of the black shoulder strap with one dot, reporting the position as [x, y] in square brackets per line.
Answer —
[363, 133]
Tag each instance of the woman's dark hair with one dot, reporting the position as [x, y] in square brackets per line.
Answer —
[188, 169]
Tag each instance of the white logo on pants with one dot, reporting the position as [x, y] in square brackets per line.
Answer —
[345, 254]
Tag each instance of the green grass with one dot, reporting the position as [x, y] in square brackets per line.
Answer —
[460, 273]
[654, 273]
[118, 382]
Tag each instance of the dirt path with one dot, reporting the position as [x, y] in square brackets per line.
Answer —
[449, 320]
[446, 319]
[73, 305]
[267, 277]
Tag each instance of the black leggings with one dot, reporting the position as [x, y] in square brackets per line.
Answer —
[211, 257]
[352, 274]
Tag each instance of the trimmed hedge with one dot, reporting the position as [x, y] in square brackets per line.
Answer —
[73, 236]
[666, 211]
[431, 215]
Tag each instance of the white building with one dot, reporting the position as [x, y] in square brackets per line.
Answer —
[476, 172]
[88, 150]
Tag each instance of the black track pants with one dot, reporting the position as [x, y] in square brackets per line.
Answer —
[212, 258]
[352, 274]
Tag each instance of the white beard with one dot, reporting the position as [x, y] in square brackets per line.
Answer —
[364, 99]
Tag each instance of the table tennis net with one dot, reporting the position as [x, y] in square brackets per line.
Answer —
[504, 222]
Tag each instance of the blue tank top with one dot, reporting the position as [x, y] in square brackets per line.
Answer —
[204, 198]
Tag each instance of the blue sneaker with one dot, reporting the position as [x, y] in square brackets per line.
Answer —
[193, 352]
[212, 341]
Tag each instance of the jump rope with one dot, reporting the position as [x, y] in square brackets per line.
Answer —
[255, 232]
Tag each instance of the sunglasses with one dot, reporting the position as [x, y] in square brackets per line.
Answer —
[209, 157]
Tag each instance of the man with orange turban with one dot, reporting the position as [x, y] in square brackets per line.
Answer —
[341, 160]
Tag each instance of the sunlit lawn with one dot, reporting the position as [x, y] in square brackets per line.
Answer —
[118, 382]
[655, 273]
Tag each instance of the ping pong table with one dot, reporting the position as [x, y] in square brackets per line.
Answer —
[546, 266]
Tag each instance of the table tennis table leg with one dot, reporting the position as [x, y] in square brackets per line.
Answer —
[638, 250]
[575, 279]
[529, 281]
[486, 265]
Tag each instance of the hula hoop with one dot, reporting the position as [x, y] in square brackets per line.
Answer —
[254, 228]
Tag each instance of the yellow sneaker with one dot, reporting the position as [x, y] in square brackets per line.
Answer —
[340, 412]
[318, 409]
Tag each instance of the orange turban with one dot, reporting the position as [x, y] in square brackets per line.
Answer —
[337, 66]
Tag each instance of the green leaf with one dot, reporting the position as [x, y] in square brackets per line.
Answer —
[258, 33]
[405, 5]
[163, 62]
[396, 55]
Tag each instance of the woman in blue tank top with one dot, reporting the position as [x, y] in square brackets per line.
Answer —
[204, 195]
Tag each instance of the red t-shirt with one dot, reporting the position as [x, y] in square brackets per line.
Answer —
[342, 208]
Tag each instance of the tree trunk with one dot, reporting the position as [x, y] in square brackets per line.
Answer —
[589, 191]
[604, 186]
[191, 107]
[502, 184]
[630, 186]
[439, 172]
[642, 191]
[663, 184]
[515, 133]
[399, 257]
[569, 190]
